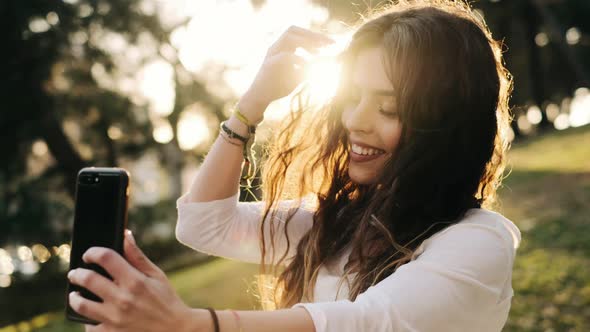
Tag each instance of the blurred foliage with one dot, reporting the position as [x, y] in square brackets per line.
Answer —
[52, 52]
[51, 49]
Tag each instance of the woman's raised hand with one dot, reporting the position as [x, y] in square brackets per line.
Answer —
[282, 70]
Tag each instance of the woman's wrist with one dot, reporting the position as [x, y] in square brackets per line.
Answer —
[250, 114]
[197, 320]
[252, 108]
[237, 126]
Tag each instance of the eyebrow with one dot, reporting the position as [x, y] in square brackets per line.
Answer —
[385, 93]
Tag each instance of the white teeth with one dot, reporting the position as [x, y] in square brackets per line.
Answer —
[365, 151]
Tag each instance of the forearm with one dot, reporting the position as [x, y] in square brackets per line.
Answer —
[219, 174]
[288, 320]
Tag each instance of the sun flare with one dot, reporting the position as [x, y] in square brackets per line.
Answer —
[323, 77]
[322, 71]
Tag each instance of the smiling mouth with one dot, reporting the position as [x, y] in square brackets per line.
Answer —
[364, 151]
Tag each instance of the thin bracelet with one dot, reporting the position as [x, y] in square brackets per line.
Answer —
[244, 120]
[228, 139]
[238, 319]
[215, 319]
[233, 134]
[248, 151]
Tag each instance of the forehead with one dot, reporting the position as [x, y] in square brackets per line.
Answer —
[369, 72]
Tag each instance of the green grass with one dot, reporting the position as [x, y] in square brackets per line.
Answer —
[565, 151]
[547, 195]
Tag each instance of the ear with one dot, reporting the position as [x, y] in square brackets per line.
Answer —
[138, 259]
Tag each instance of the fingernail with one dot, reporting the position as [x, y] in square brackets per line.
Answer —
[131, 238]
[70, 274]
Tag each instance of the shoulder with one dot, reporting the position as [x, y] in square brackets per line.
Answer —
[480, 223]
[483, 244]
[495, 221]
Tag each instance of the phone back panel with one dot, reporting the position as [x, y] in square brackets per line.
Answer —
[100, 219]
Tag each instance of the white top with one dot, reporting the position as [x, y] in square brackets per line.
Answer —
[459, 279]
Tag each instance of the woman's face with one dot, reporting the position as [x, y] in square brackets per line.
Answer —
[370, 118]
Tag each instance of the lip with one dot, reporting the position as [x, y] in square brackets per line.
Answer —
[359, 158]
[359, 143]
[363, 158]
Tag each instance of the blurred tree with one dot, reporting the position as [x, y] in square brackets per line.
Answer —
[546, 67]
[64, 107]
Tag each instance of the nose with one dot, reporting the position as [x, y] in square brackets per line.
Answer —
[358, 118]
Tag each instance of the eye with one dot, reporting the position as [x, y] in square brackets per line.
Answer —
[389, 114]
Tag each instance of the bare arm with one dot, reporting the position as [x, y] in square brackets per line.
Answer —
[220, 171]
[280, 74]
[287, 320]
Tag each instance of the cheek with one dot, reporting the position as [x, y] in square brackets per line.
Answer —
[390, 135]
[344, 116]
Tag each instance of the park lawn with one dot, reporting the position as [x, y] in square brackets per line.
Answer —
[547, 195]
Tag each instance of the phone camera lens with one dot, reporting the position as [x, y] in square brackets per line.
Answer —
[89, 179]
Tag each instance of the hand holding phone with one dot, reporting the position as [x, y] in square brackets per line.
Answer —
[100, 219]
[138, 298]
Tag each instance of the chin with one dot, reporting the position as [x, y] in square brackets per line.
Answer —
[361, 177]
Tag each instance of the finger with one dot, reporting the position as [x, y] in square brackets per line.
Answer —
[85, 307]
[138, 259]
[292, 58]
[297, 64]
[311, 34]
[291, 41]
[113, 263]
[94, 282]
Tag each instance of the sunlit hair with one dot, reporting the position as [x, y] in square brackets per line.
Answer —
[452, 93]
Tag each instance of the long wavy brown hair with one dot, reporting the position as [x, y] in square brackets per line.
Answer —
[452, 95]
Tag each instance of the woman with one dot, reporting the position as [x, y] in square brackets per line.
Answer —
[403, 163]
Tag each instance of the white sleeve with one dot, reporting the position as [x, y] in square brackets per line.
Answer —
[456, 284]
[230, 229]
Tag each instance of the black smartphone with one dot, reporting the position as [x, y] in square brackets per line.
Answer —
[100, 220]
